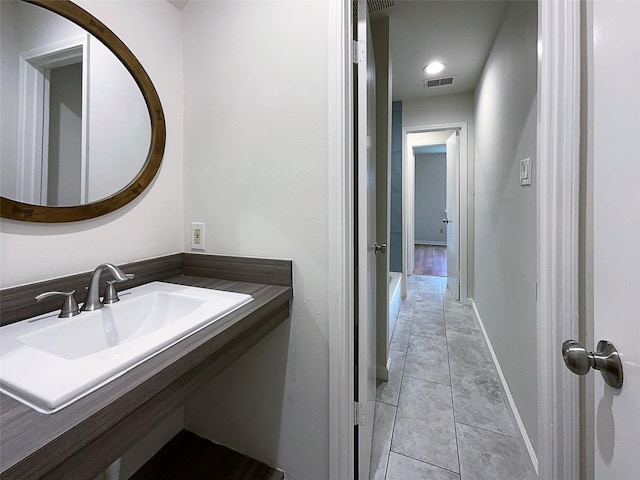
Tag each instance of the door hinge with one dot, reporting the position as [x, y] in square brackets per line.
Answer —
[359, 52]
[360, 414]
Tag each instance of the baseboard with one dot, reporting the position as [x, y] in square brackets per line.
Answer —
[505, 386]
[382, 371]
[429, 242]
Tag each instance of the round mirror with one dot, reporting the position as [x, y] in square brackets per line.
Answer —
[83, 130]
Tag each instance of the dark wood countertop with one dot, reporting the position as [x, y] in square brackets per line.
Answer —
[81, 440]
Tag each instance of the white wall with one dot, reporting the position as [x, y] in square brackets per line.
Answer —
[505, 219]
[151, 224]
[8, 100]
[436, 110]
[256, 169]
[431, 198]
[116, 109]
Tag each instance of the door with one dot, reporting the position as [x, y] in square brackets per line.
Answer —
[452, 215]
[366, 239]
[616, 233]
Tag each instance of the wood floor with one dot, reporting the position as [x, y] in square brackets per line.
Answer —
[430, 260]
[189, 457]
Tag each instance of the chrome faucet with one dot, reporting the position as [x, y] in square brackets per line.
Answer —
[92, 301]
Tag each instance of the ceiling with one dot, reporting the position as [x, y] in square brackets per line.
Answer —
[179, 4]
[429, 142]
[457, 33]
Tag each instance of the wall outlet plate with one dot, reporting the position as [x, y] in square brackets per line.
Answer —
[525, 172]
[197, 235]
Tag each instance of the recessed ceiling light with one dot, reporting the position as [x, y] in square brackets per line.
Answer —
[433, 68]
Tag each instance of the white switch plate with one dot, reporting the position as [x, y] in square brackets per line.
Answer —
[525, 171]
[197, 235]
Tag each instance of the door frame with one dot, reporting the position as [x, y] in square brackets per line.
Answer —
[557, 220]
[557, 190]
[341, 241]
[33, 114]
[408, 203]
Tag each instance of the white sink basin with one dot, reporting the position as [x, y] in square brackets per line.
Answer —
[47, 362]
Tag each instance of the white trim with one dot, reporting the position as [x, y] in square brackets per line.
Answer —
[408, 172]
[86, 85]
[341, 211]
[30, 116]
[382, 371]
[430, 242]
[507, 392]
[557, 242]
[33, 114]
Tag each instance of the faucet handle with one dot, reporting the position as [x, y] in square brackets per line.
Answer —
[110, 293]
[69, 307]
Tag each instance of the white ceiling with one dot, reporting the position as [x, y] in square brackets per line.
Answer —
[424, 142]
[457, 33]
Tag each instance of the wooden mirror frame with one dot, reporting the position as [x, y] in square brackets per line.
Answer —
[37, 213]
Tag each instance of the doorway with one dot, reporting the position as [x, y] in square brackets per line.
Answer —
[53, 123]
[423, 215]
[430, 243]
[558, 97]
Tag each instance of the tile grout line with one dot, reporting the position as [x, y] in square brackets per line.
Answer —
[485, 429]
[395, 416]
[453, 405]
[396, 350]
[430, 381]
[393, 427]
[426, 463]
[418, 295]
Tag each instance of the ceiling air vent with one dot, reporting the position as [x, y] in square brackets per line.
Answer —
[373, 6]
[438, 82]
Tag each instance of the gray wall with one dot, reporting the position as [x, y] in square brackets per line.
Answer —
[505, 212]
[431, 198]
[395, 244]
[381, 48]
[65, 136]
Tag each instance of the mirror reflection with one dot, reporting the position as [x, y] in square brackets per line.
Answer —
[75, 126]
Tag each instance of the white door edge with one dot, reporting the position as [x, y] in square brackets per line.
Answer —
[558, 150]
[408, 179]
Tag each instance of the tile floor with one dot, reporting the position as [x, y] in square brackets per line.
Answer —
[442, 415]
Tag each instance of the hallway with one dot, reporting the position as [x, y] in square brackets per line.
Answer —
[443, 415]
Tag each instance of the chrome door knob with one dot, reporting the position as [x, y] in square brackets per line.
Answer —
[606, 359]
[446, 220]
[379, 248]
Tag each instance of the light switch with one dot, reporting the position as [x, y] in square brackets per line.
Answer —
[525, 171]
